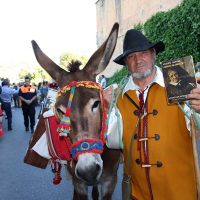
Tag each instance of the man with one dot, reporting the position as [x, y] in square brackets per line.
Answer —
[103, 81]
[197, 75]
[28, 97]
[158, 154]
[44, 90]
[6, 98]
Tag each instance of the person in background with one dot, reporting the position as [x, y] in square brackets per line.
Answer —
[44, 90]
[1, 80]
[16, 96]
[197, 75]
[53, 85]
[103, 81]
[1, 122]
[28, 96]
[6, 98]
[157, 146]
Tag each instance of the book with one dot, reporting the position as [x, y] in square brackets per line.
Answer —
[179, 78]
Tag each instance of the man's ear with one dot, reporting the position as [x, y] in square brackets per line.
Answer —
[153, 53]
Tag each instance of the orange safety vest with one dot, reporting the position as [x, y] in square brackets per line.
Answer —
[28, 89]
[175, 179]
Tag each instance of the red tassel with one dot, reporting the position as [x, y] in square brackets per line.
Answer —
[57, 170]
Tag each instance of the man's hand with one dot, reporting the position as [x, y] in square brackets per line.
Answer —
[107, 93]
[28, 102]
[194, 99]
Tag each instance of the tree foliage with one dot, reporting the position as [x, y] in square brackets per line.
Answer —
[23, 73]
[118, 76]
[178, 28]
[38, 75]
[67, 57]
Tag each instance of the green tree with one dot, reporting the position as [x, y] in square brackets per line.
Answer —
[67, 57]
[178, 28]
[23, 73]
[40, 75]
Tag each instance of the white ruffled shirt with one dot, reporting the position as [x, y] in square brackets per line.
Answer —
[114, 132]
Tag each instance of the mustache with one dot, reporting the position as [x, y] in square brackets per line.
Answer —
[141, 64]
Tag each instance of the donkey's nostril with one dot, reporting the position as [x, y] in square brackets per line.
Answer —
[78, 174]
[98, 167]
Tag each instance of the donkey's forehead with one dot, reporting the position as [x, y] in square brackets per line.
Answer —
[78, 76]
[81, 96]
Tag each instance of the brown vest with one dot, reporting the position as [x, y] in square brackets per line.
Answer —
[175, 179]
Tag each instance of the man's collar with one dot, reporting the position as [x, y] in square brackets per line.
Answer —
[158, 78]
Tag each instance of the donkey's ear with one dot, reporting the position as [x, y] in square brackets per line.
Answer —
[101, 57]
[52, 68]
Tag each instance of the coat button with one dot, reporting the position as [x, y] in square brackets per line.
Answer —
[137, 161]
[154, 112]
[157, 137]
[136, 112]
[159, 164]
[135, 136]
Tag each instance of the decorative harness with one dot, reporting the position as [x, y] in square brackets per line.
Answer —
[64, 128]
[58, 130]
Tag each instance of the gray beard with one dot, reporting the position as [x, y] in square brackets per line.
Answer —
[142, 75]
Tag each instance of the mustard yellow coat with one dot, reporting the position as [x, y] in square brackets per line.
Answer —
[175, 179]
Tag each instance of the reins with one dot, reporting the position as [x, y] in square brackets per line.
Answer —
[113, 104]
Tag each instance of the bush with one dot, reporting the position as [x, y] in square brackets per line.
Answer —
[178, 28]
[118, 76]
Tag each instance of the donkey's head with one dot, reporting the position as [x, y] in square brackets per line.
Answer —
[79, 106]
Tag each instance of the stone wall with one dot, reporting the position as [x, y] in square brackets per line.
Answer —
[127, 13]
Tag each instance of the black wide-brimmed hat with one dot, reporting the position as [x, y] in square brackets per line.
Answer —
[135, 41]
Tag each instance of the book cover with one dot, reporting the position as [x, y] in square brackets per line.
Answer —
[179, 78]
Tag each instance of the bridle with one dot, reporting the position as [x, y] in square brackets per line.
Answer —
[64, 128]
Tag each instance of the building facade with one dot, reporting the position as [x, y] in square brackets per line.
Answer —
[127, 13]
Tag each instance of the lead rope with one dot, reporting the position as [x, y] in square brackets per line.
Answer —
[113, 104]
[196, 117]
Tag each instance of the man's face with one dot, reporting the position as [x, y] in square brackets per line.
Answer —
[173, 76]
[27, 82]
[141, 64]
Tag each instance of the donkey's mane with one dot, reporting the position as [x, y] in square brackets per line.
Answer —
[74, 65]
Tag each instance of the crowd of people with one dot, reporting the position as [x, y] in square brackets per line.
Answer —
[23, 95]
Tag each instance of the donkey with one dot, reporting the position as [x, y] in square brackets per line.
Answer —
[87, 120]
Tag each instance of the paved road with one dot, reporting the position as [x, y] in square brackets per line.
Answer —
[19, 181]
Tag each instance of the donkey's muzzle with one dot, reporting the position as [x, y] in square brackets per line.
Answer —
[89, 168]
[91, 175]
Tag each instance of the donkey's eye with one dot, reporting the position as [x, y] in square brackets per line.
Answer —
[95, 106]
